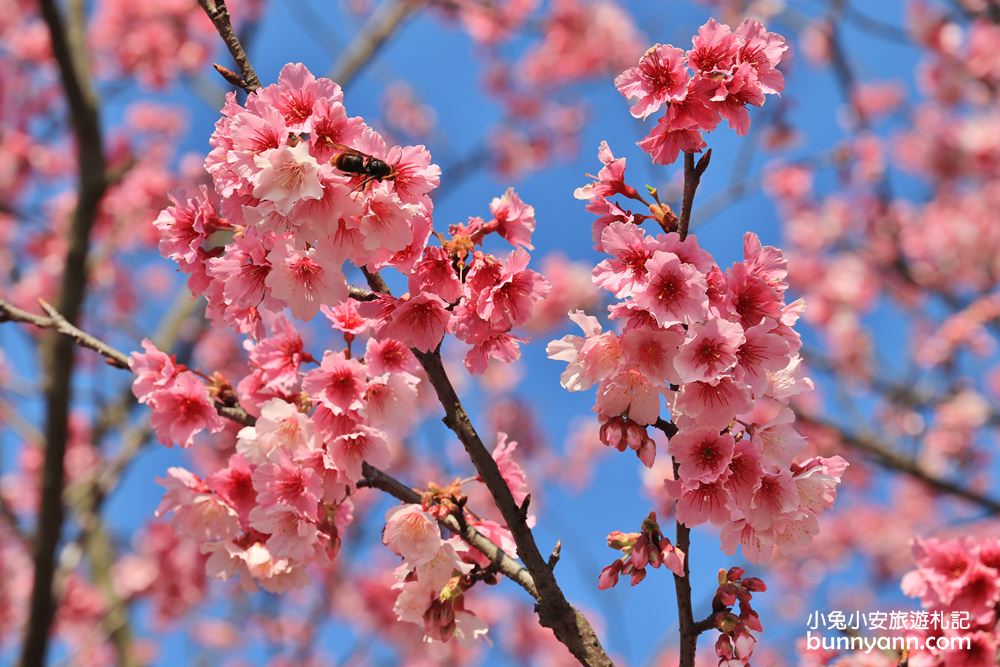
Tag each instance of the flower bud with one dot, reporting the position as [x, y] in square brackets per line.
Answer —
[609, 576]
[612, 434]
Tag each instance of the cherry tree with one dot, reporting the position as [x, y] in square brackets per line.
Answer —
[819, 403]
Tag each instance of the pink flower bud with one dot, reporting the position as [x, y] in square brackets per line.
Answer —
[744, 644]
[754, 584]
[647, 452]
[724, 647]
[727, 594]
[609, 576]
[619, 540]
[750, 618]
[612, 434]
[638, 575]
[635, 434]
[735, 573]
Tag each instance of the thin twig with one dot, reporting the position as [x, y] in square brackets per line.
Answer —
[217, 11]
[692, 177]
[554, 611]
[58, 323]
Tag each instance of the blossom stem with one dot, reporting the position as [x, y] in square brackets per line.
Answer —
[217, 11]
[692, 177]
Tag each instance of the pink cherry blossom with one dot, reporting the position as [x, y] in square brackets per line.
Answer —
[703, 454]
[675, 292]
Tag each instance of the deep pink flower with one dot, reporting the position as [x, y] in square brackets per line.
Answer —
[703, 454]
[435, 273]
[183, 409]
[338, 383]
[419, 321]
[515, 219]
[660, 77]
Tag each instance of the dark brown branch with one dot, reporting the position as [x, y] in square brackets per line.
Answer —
[58, 323]
[217, 11]
[692, 177]
[554, 610]
[69, 50]
[885, 456]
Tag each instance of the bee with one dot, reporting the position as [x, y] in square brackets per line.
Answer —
[371, 168]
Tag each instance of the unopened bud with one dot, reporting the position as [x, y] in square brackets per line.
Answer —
[613, 434]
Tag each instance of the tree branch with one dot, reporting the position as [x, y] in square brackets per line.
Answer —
[58, 323]
[886, 457]
[554, 611]
[692, 177]
[374, 34]
[217, 11]
[373, 477]
[69, 50]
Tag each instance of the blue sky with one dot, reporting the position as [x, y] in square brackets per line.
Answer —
[441, 63]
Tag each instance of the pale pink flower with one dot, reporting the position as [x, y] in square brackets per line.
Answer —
[590, 358]
[198, 513]
[676, 293]
[412, 533]
[290, 534]
[306, 279]
[364, 444]
[630, 393]
[281, 427]
[776, 495]
[704, 502]
[709, 350]
[762, 352]
[287, 175]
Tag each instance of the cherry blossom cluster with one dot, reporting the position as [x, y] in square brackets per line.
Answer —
[294, 218]
[735, 644]
[719, 346]
[959, 576]
[729, 69]
[648, 547]
[435, 573]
